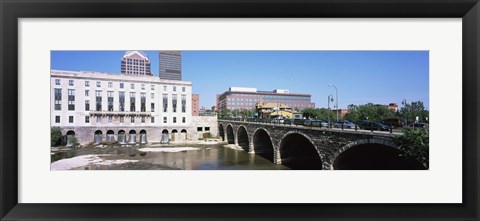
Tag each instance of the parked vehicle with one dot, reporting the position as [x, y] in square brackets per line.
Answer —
[394, 122]
[419, 125]
[298, 121]
[319, 123]
[373, 125]
[346, 124]
[307, 122]
[288, 121]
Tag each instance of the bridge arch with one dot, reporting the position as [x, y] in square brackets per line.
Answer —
[230, 134]
[221, 132]
[263, 144]
[298, 151]
[242, 137]
[372, 154]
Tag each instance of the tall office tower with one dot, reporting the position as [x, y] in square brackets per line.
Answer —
[170, 65]
[136, 63]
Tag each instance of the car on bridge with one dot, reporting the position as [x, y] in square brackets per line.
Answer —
[319, 123]
[346, 124]
[373, 125]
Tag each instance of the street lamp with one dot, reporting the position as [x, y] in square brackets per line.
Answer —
[336, 93]
[404, 102]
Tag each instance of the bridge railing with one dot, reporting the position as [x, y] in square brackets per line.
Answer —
[293, 123]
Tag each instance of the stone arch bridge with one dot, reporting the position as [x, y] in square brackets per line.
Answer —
[300, 147]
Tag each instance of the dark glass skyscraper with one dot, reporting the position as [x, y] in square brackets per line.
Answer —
[170, 65]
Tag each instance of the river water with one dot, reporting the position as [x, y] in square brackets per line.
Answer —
[164, 157]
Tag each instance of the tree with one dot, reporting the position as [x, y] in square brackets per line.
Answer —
[225, 113]
[369, 111]
[56, 137]
[309, 113]
[413, 110]
[415, 145]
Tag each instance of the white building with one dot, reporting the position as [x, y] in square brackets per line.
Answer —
[105, 107]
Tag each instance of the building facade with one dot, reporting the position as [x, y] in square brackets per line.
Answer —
[105, 107]
[136, 63]
[195, 104]
[170, 65]
[246, 98]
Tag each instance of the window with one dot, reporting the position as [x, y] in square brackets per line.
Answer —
[58, 99]
[132, 101]
[174, 119]
[183, 119]
[152, 87]
[121, 99]
[121, 85]
[183, 89]
[98, 84]
[174, 103]
[207, 129]
[70, 82]
[164, 88]
[143, 107]
[110, 100]
[152, 107]
[132, 86]
[164, 120]
[165, 102]
[132, 119]
[87, 119]
[110, 119]
[57, 81]
[98, 100]
[99, 119]
[174, 88]
[122, 119]
[199, 129]
[110, 84]
[143, 119]
[152, 96]
[87, 83]
[70, 119]
[152, 120]
[143, 86]
[57, 119]
[71, 99]
[87, 93]
[87, 105]
[184, 103]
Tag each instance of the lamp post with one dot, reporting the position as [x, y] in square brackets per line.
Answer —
[404, 102]
[336, 93]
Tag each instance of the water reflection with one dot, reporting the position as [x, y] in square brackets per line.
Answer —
[213, 157]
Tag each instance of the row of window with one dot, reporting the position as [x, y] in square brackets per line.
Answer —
[257, 98]
[121, 119]
[110, 101]
[121, 85]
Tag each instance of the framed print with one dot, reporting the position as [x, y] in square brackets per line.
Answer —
[318, 107]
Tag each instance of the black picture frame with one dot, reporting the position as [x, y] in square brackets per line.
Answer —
[12, 10]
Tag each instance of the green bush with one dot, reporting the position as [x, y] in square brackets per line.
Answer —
[56, 137]
[415, 145]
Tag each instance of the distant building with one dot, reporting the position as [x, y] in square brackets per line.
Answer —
[195, 105]
[341, 113]
[247, 98]
[135, 63]
[273, 110]
[170, 65]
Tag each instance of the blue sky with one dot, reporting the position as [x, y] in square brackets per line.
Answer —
[361, 77]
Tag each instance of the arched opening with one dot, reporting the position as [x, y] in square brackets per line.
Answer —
[164, 137]
[221, 132]
[132, 137]
[97, 137]
[230, 135]
[371, 156]
[121, 137]
[183, 134]
[110, 136]
[71, 138]
[174, 135]
[297, 152]
[143, 136]
[262, 144]
[242, 138]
